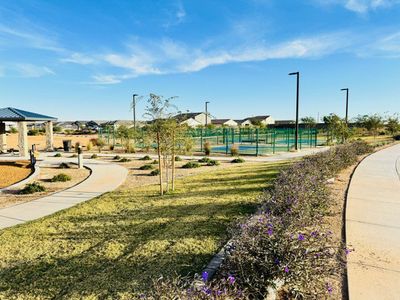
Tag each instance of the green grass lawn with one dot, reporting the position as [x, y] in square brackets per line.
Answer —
[113, 246]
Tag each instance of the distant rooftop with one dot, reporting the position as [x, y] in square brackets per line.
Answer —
[10, 114]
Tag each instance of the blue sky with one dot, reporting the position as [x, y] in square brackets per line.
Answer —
[83, 59]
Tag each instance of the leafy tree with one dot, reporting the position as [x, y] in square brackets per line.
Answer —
[126, 135]
[337, 128]
[309, 122]
[370, 122]
[57, 129]
[256, 122]
[393, 124]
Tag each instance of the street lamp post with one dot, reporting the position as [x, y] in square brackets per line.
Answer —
[296, 143]
[134, 110]
[207, 112]
[347, 105]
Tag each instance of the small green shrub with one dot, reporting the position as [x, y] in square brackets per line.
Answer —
[155, 172]
[117, 157]
[57, 155]
[94, 156]
[204, 160]
[33, 132]
[32, 188]
[146, 157]
[64, 166]
[124, 159]
[61, 178]
[154, 162]
[146, 167]
[213, 163]
[207, 148]
[191, 165]
[237, 160]
[178, 158]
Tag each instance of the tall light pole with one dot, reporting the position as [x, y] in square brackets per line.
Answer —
[207, 112]
[134, 110]
[296, 143]
[347, 105]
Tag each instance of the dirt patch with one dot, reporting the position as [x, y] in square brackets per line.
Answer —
[13, 172]
[12, 197]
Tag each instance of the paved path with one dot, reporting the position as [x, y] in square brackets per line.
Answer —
[105, 177]
[373, 227]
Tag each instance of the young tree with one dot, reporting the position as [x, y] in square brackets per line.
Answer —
[157, 110]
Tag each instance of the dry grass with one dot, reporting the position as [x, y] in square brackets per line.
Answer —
[13, 172]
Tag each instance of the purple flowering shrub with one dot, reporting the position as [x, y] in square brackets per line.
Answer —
[287, 244]
[287, 241]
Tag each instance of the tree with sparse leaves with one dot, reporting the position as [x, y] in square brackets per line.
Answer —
[158, 111]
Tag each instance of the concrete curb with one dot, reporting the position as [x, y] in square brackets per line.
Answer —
[33, 175]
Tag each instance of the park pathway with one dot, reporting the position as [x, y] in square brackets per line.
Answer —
[104, 177]
[373, 227]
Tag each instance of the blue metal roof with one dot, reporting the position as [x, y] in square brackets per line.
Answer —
[13, 114]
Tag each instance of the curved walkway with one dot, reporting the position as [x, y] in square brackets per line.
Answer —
[373, 227]
[104, 177]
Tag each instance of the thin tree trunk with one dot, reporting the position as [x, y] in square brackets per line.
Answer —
[173, 162]
[166, 167]
[160, 164]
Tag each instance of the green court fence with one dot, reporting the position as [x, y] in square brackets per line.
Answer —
[253, 141]
[247, 141]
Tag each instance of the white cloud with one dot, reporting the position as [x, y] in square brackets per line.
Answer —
[387, 46]
[168, 57]
[106, 79]
[360, 6]
[27, 39]
[79, 58]
[298, 48]
[33, 71]
[176, 15]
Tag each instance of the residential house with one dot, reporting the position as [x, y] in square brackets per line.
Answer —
[263, 120]
[224, 122]
[193, 119]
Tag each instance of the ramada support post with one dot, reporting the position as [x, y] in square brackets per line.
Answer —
[3, 137]
[23, 139]
[49, 136]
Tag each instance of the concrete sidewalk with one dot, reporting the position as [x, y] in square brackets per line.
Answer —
[373, 227]
[105, 177]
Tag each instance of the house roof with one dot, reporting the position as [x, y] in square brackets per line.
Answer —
[220, 121]
[185, 116]
[16, 115]
[258, 118]
[284, 122]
